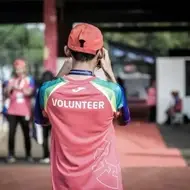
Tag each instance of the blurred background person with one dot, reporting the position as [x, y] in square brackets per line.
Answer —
[4, 107]
[6, 100]
[151, 101]
[175, 106]
[19, 92]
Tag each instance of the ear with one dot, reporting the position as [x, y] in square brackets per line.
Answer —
[67, 51]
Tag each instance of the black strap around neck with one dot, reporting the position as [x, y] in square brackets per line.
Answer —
[81, 72]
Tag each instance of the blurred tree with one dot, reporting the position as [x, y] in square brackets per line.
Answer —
[158, 42]
[21, 41]
[27, 42]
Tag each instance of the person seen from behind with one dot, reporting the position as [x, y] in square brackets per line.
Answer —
[81, 108]
[175, 106]
[19, 90]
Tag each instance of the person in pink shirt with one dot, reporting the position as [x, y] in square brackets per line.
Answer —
[151, 101]
[19, 91]
[81, 109]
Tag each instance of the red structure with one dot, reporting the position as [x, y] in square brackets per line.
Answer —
[50, 36]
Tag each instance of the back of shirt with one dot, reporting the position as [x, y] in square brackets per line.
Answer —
[83, 138]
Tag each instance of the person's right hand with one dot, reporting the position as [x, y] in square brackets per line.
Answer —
[105, 64]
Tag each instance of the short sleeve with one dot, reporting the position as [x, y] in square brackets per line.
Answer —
[41, 92]
[119, 97]
[41, 101]
[39, 108]
[121, 103]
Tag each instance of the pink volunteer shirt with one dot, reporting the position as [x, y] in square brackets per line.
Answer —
[20, 105]
[83, 144]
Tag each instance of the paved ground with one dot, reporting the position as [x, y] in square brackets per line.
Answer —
[150, 158]
[37, 178]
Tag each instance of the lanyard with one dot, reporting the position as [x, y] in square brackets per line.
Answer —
[81, 72]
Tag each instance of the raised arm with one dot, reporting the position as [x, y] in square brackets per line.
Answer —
[105, 64]
[67, 66]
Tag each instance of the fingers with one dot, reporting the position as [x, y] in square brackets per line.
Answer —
[105, 53]
[105, 50]
[99, 64]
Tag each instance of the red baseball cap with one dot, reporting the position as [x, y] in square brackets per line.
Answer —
[85, 38]
[19, 63]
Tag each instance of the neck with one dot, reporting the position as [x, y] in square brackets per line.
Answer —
[83, 66]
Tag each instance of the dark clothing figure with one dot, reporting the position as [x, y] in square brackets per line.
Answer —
[46, 76]
[175, 107]
[24, 123]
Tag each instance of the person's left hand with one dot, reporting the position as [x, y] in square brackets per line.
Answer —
[65, 69]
